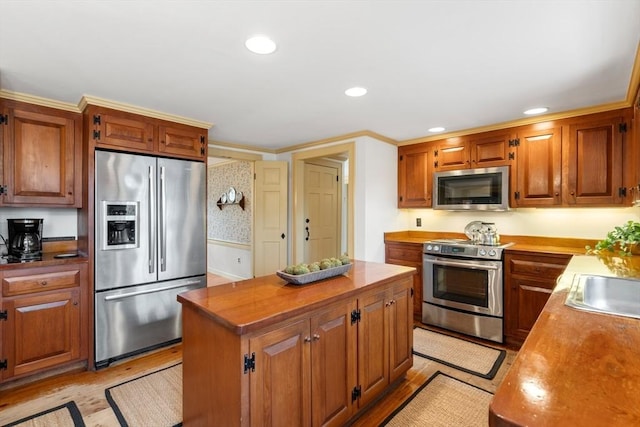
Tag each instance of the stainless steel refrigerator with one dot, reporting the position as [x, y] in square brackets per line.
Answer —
[150, 245]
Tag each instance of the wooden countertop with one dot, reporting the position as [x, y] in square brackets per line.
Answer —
[576, 368]
[252, 304]
[558, 245]
[50, 250]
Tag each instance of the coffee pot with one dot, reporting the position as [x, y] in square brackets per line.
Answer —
[25, 238]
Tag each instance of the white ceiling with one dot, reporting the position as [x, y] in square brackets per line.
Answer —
[458, 64]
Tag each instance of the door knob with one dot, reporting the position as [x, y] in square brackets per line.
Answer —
[282, 236]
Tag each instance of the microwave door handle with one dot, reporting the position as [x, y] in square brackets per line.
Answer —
[463, 264]
[152, 224]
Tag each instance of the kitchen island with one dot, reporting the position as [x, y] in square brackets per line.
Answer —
[264, 352]
[576, 368]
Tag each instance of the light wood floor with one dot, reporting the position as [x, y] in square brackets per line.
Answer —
[86, 388]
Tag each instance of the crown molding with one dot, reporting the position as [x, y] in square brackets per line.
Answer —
[634, 81]
[520, 122]
[217, 143]
[121, 106]
[338, 138]
[38, 100]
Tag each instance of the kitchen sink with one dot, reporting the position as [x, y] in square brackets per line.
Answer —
[610, 295]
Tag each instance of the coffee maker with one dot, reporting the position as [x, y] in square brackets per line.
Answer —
[25, 239]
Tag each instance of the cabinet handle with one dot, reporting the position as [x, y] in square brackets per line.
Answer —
[75, 303]
[557, 194]
[307, 339]
[316, 337]
[43, 283]
[387, 304]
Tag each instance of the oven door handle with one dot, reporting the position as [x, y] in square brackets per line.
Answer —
[466, 264]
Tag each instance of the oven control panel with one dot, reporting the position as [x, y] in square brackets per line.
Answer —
[464, 250]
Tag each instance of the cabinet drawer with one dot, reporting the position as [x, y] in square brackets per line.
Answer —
[412, 253]
[539, 269]
[40, 282]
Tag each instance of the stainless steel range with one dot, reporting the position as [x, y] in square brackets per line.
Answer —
[463, 287]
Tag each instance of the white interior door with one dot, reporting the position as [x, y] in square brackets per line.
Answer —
[322, 214]
[270, 217]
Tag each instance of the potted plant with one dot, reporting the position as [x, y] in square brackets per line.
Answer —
[625, 239]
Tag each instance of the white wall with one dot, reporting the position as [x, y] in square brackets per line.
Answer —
[230, 260]
[376, 193]
[57, 222]
[588, 223]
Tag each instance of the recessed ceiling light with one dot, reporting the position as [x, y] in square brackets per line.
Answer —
[355, 91]
[436, 129]
[537, 110]
[260, 44]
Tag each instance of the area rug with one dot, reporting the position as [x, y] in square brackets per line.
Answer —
[154, 399]
[66, 415]
[466, 356]
[443, 401]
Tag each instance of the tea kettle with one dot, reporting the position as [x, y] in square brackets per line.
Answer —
[489, 234]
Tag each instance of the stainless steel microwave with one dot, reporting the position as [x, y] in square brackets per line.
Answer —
[482, 189]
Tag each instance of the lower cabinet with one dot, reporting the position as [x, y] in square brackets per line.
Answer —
[42, 323]
[315, 370]
[409, 254]
[529, 280]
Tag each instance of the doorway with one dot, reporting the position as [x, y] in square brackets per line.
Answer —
[322, 207]
[343, 154]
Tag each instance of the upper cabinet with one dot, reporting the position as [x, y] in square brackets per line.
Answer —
[120, 130]
[487, 149]
[594, 150]
[536, 178]
[589, 160]
[415, 172]
[41, 156]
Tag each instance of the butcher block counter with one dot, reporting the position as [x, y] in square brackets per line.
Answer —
[576, 368]
[265, 352]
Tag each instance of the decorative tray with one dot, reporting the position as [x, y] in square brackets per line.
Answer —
[301, 279]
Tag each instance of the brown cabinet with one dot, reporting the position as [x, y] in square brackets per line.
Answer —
[415, 170]
[529, 280]
[41, 156]
[45, 318]
[409, 254]
[120, 130]
[307, 370]
[315, 369]
[538, 173]
[487, 149]
[386, 317]
[594, 152]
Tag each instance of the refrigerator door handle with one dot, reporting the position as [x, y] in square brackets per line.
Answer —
[163, 221]
[150, 291]
[152, 225]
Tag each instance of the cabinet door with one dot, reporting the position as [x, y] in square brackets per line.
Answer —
[489, 149]
[333, 365]
[280, 388]
[373, 345]
[529, 281]
[595, 163]
[122, 131]
[414, 176]
[409, 254]
[400, 329]
[452, 154]
[41, 150]
[183, 141]
[41, 330]
[539, 173]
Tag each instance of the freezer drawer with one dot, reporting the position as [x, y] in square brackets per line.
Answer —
[139, 317]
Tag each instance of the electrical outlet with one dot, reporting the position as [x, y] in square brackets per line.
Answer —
[238, 260]
[418, 222]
